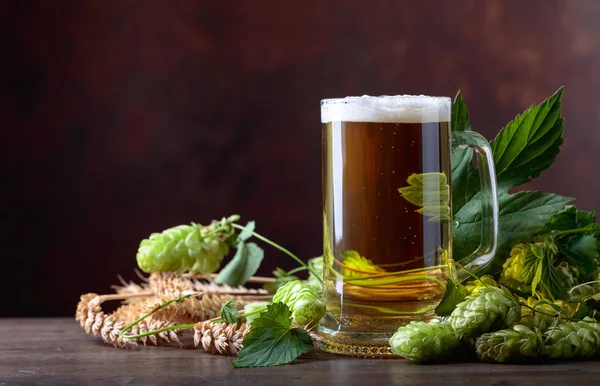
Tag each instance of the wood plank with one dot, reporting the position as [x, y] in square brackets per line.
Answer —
[57, 351]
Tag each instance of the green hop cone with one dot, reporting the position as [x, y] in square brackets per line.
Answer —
[254, 309]
[425, 342]
[511, 345]
[514, 267]
[573, 340]
[474, 286]
[490, 310]
[543, 316]
[316, 264]
[306, 306]
[184, 248]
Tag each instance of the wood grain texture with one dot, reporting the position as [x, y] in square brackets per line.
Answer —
[56, 351]
[124, 117]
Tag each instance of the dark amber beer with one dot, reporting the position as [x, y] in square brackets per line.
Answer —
[386, 216]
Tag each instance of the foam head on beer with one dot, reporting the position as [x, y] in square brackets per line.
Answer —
[398, 108]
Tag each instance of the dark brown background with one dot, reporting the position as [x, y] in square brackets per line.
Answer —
[120, 118]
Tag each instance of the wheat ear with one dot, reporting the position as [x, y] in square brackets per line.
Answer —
[176, 285]
[220, 338]
[95, 322]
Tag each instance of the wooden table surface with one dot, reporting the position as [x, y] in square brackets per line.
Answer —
[57, 351]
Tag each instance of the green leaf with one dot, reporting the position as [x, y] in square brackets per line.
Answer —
[465, 178]
[522, 215]
[271, 341]
[460, 114]
[247, 233]
[529, 144]
[229, 313]
[587, 308]
[281, 278]
[244, 264]
[455, 293]
[583, 251]
[570, 218]
[431, 192]
[540, 261]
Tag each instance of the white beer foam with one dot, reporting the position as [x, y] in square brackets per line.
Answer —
[397, 108]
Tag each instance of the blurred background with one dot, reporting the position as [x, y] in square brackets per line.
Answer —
[124, 117]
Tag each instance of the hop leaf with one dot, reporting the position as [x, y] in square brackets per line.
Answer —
[568, 340]
[302, 300]
[492, 309]
[272, 341]
[584, 292]
[425, 342]
[510, 345]
[569, 274]
[316, 264]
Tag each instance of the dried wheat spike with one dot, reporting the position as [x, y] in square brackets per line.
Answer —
[169, 284]
[193, 309]
[96, 322]
[130, 288]
[220, 338]
[212, 287]
[131, 311]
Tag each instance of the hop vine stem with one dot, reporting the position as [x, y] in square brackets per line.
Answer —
[282, 249]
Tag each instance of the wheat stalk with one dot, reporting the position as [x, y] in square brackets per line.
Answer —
[220, 338]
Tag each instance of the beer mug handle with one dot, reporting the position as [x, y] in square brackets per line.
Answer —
[484, 254]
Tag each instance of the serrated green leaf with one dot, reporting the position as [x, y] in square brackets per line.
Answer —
[570, 218]
[455, 293]
[271, 341]
[431, 192]
[537, 277]
[529, 144]
[244, 264]
[583, 251]
[229, 313]
[465, 178]
[460, 114]
[521, 215]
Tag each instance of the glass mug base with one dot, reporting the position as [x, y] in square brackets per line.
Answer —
[368, 335]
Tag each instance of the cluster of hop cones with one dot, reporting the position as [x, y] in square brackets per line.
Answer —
[199, 309]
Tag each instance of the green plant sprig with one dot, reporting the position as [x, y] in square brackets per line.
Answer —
[279, 247]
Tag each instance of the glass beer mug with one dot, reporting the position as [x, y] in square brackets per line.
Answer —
[387, 215]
